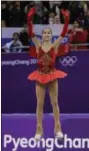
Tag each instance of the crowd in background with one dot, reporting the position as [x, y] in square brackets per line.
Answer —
[14, 15]
[14, 12]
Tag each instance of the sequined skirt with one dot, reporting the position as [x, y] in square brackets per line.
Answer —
[46, 77]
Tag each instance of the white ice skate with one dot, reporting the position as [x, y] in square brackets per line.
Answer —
[38, 137]
[59, 135]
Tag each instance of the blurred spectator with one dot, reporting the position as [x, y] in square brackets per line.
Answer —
[17, 16]
[24, 37]
[76, 9]
[3, 23]
[85, 6]
[11, 46]
[37, 19]
[84, 17]
[56, 20]
[10, 7]
[26, 9]
[7, 12]
[14, 12]
[45, 13]
[86, 20]
[3, 11]
[38, 6]
[56, 6]
[38, 15]
[78, 35]
[51, 18]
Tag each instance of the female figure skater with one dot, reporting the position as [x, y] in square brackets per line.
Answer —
[46, 74]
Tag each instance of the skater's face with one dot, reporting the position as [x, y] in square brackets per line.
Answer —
[47, 34]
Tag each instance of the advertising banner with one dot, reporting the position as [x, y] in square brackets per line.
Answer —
[18, 93]
[18, 133]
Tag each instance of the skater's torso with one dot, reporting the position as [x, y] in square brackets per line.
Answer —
[46, 60]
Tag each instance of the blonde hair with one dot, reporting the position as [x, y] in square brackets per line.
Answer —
[47, 28]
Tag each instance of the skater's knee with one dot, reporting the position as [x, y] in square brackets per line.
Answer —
[54, 103]
[40, 103]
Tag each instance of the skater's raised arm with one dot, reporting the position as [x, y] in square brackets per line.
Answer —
[31, 33]
[65, 29]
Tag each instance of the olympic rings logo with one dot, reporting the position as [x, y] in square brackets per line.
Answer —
[68, 60]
